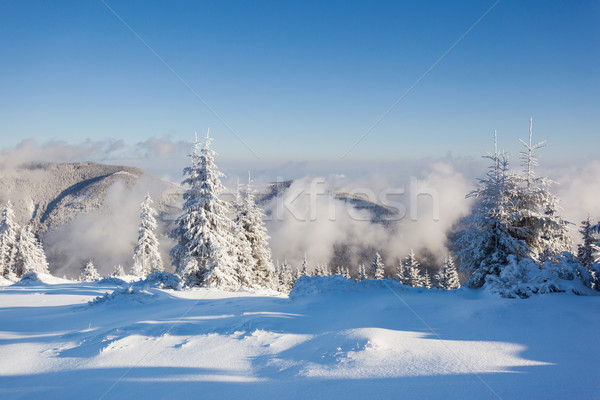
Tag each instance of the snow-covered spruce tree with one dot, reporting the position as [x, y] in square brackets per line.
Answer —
[146, 256]
[586, 249]
[318, 271]
[251, 219]
[286, 278]
[304, 268]
[538, 223]
[246, 261]
[346, 273]
[488, 236]
[89, 274]
[426, 280]
[401, 274]
[361, 274]
[118, 271]
[377, 270]
[588, 254]
[30, 254]
[205, 249]
[411, 267]
[447, 277]
[9, 231]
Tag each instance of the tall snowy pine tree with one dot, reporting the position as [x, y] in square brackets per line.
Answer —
[146, 256]
[205, 249]
[539, 222]
[9, 231]
[31, 256]
[250, 218]
[489, 235]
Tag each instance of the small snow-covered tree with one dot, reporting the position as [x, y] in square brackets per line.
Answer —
[304, 268]
[30, 254]
[346, 273]
[205, 249]
[377, 270]
[89, 274]
[401, 273]
[586, 249]
[588, 254]
[489, 235]
[286, 278]
[146, 256]
[361, 274]
[250, 216]
[118, 271]
[426, 280]
[411, 266]
[447, 277]
[9, 231]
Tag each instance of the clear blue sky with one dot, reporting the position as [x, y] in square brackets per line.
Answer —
[304, 80]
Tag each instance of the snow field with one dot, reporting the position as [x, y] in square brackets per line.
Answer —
[331, 338]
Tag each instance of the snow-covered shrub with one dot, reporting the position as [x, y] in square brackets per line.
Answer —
[164, 280]
[524, 278]
[31, 276]
[112, 280]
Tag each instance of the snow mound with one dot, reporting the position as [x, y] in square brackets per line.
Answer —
[310, 286]
[384, 353]
[111, 280]
[125, 296]
[32, 278]
[163, 280]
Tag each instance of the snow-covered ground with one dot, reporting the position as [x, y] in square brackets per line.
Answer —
[330, 338]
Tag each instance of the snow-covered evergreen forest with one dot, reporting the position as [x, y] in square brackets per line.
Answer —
[514, 241]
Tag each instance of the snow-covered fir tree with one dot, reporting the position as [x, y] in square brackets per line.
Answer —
[146, 256]
[250, 217]
[89, 274]
[426, 280]
[538, 222]
[587, 248]
[346, 273]
[411, 267]
[401, 273]
[588, 254]
[488, 236]
[30, 254]
[377, 270]
[9, 231]
[118, 271]
[246, 261]
[361, 274]
[286, 277]
[304, 268]
[447, 277]
[205, 249]
[318, 271]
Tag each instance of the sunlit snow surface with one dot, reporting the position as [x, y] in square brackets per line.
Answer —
[330, 339]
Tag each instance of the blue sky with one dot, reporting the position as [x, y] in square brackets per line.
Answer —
[303, 80]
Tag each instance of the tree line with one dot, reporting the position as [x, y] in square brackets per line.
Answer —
[514, 240]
